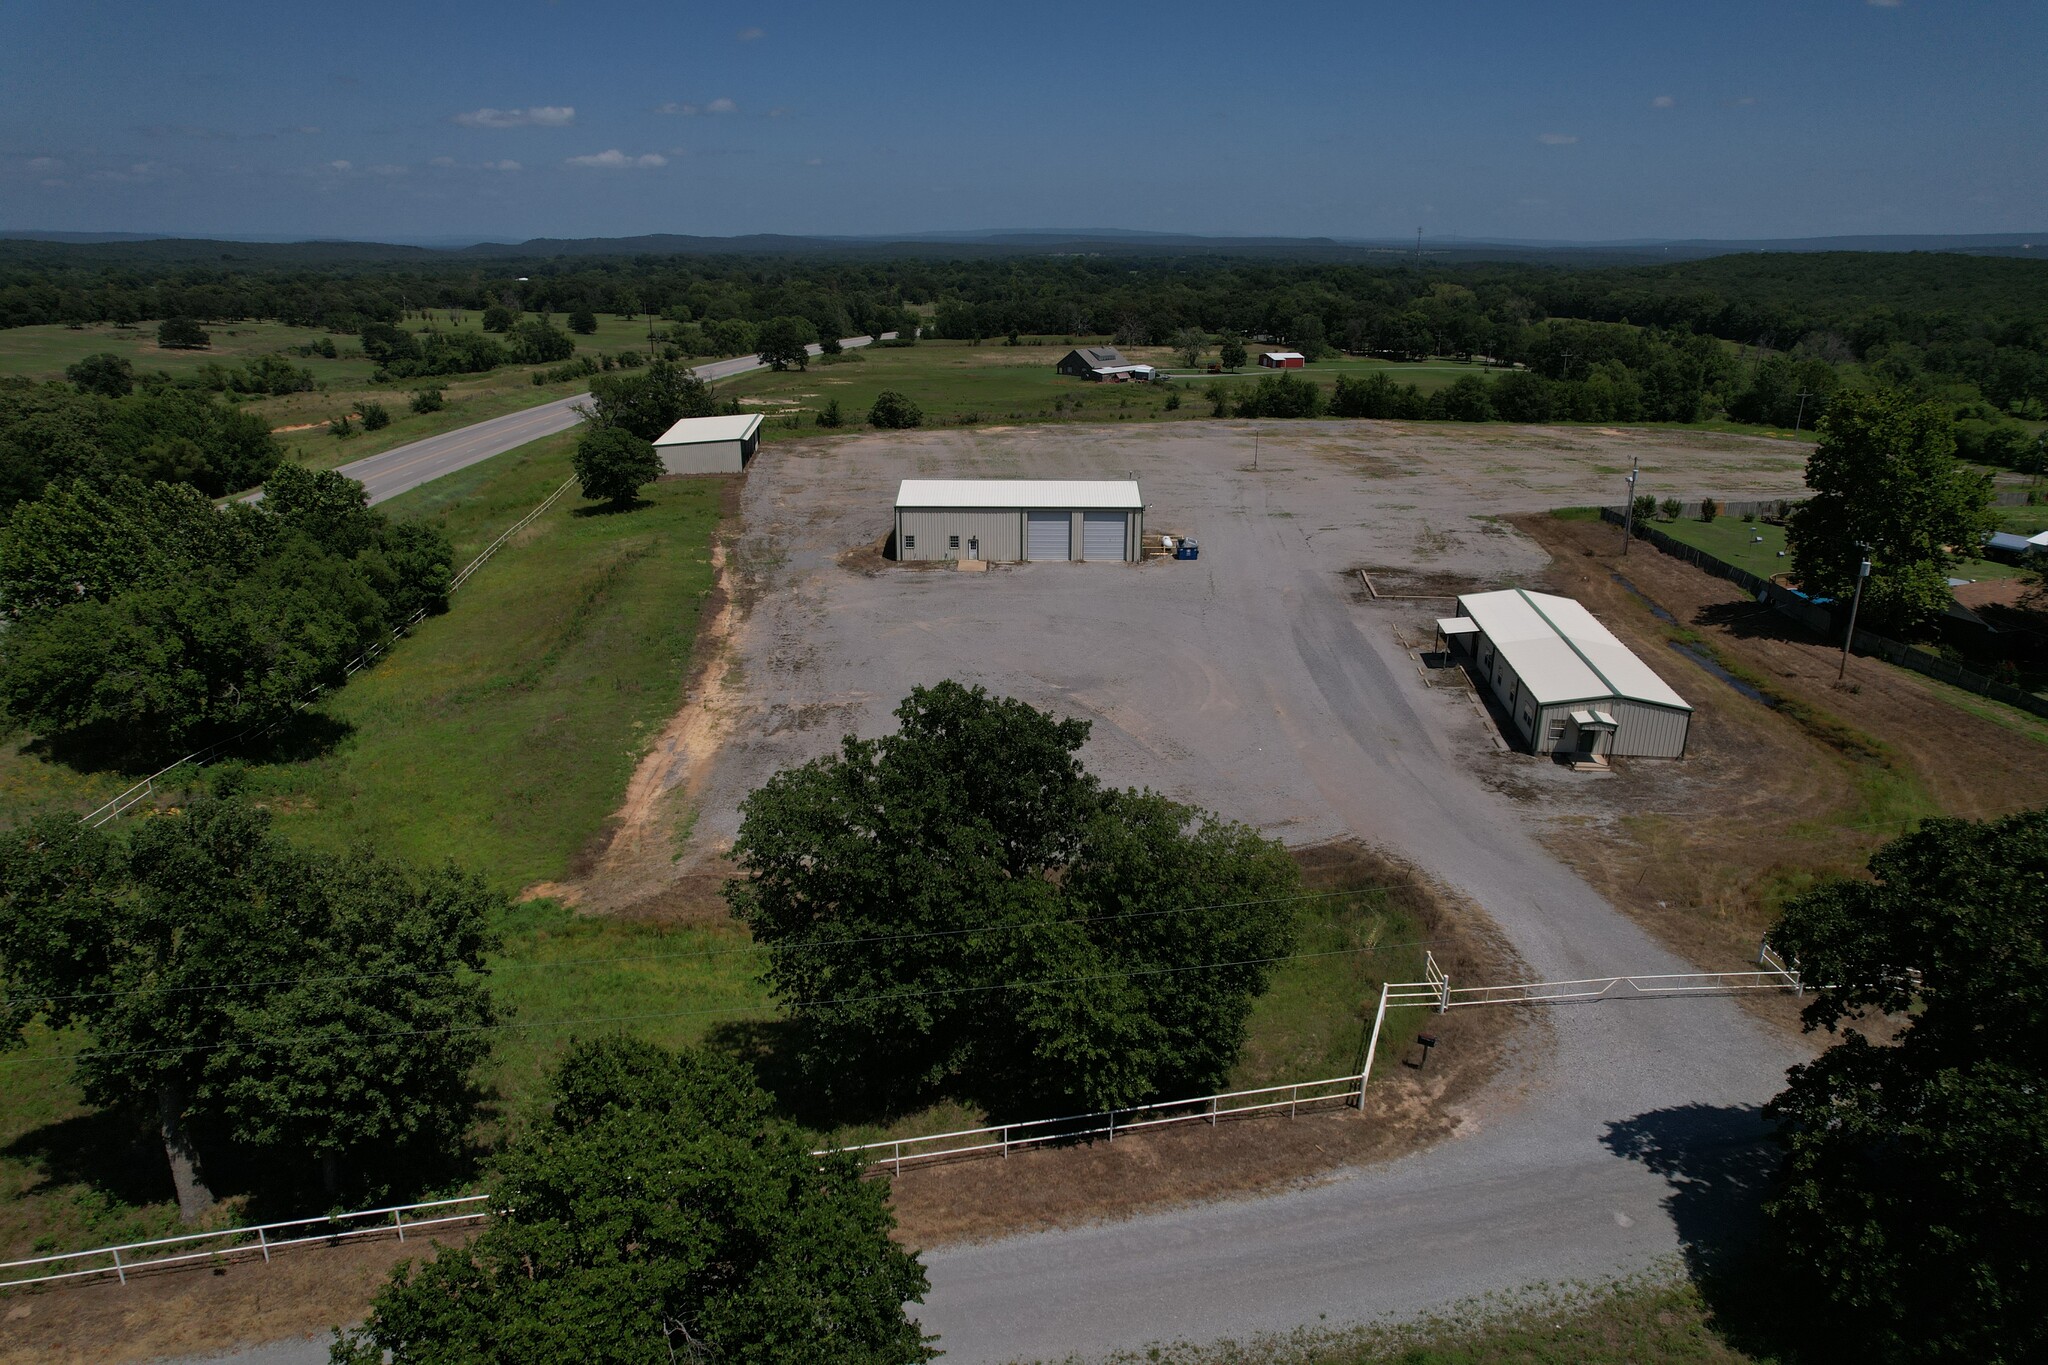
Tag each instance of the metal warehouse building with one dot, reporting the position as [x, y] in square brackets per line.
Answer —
[1568, 685]
[709, 445]
[1019, 519]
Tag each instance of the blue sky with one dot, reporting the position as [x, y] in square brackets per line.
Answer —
[517, 119]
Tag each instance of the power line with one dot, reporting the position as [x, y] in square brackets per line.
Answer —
[817, 945]
[887, 996]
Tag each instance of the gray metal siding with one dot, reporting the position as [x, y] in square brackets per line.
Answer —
[999, 531]
[1646, 731]
[705, 457]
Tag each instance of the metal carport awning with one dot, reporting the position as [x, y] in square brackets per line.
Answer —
[1594, 720]
[1456, 625]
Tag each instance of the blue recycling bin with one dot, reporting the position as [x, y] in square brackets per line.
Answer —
[1187, 549]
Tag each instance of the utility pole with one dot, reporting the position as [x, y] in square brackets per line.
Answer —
[1628, 511]
[1803, 395]
[1418, 246]
[1849, 636]
[1255, 448]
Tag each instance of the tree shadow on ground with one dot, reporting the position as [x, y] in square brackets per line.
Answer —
[109, 1151]
[1754, 621]
[611, 509]
[770, 1047]
[1721, 1164]
[302, 735]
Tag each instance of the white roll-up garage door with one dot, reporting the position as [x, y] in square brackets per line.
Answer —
[1049, 535]
[1102, 535]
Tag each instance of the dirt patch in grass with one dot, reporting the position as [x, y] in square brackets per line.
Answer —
[1410, 1104]
[1772, 794]
[303, 1291]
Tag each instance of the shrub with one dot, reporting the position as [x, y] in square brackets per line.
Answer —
[583, 322]
[343, 426]
[832, 416]
[499, 318]
[428, 400]
[893, 412]
[1709, 509]
[1670, 508]
[1645, 509]
[375, 417]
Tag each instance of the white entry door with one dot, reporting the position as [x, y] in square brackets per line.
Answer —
[1048, 535]
[1102, 535]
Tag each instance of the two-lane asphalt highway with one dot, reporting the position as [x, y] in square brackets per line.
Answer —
[406, 467]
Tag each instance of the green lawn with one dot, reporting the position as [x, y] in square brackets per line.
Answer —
[44, 352]
[1755, 546]
[502, 733]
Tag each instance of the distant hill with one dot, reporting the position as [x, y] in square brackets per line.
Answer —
[22, 246]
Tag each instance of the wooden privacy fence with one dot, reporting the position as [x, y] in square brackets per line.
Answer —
[1821, 620]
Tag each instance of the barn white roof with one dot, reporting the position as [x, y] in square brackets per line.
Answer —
[696, 430]
[1048, 494]
[1561, 653]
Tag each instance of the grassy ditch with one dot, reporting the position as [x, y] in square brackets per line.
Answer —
[502, 734]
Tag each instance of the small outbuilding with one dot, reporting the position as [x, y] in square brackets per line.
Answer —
[1283, 360]
[1124, 374]
[709, 445]
[1083, 359]
[1567, 684]
[1019, 519]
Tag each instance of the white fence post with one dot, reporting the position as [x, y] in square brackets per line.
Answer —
[1372, 1048]
[398, 1221]
[117, 1266]
[263, 1241]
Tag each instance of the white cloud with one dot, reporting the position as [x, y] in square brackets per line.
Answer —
[1743, 103]
[748, 35]
[341, 165]
[614, 159]
[815, 161]
[306, 128]
[1886, 4]
[717, 106]
[779, 111]
[540, 116]
[1664, 102]
[45, 163]
[442, 161]
[1557, 139]
[503, 166]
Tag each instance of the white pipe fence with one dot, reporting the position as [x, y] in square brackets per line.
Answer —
[1435, 992]
[894, 1153]
[146, 788]
[262, 1238]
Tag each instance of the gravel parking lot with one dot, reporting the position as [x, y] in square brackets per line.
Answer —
[1251, 681]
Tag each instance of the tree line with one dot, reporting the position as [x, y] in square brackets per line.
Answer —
[142, 620]
[1973, 321]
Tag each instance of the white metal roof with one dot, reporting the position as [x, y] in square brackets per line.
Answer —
[1561, 653]
[696, 430]
[1283, 355]
[1048, 494]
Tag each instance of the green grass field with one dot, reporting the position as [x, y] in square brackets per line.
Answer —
[1755, 546]
[996, 384]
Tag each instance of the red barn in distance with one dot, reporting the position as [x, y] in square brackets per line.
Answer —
[1283, 360]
